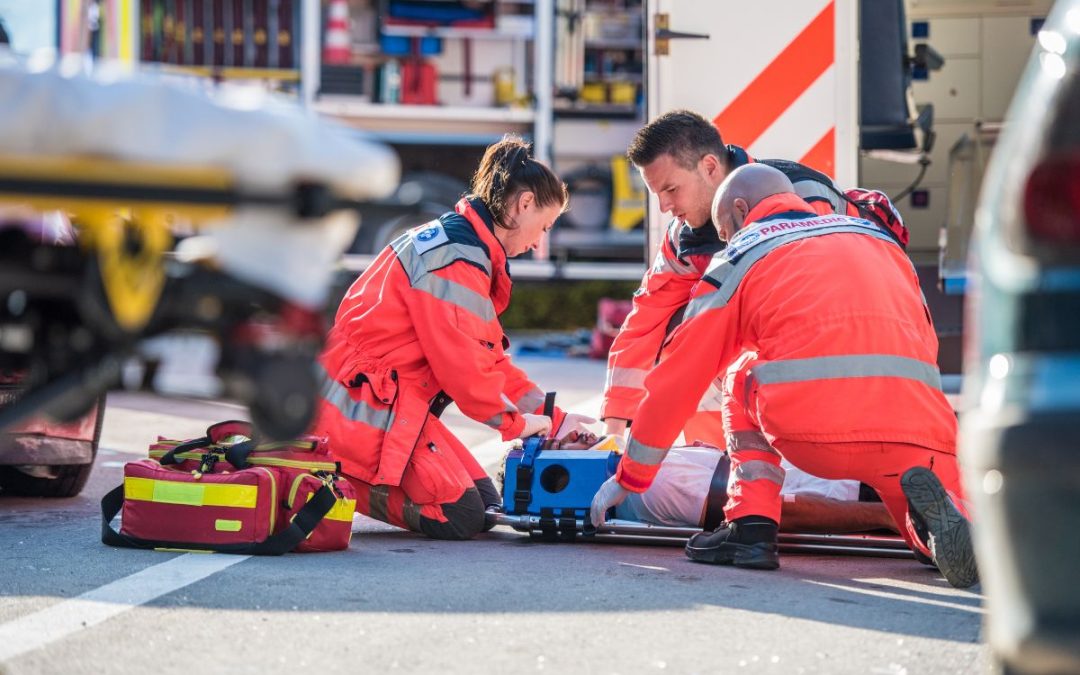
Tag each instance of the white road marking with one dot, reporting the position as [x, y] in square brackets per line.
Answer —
[645, 567]
[900, 596]
[65, 618]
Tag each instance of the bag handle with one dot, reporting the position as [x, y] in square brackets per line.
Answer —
[236, 454]
[222, 430]
[194, 444]
[300, 527]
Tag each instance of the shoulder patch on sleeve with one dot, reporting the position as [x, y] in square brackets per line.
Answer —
[427, 236]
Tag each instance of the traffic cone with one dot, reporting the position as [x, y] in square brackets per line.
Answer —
[336, 48]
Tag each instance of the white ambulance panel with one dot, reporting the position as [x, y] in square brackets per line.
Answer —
[954, 90]
[1006, 45]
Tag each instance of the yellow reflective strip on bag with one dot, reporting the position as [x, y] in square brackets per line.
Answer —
[222, 525]
[192, 494]
[341, 510]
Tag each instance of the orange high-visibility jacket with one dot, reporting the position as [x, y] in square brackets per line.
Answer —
[833, 309]
[419, 325]
[665, 288]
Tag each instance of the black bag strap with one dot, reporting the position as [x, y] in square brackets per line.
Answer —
[717, 498]
[302, 525]
[237, 454]
[187, 446]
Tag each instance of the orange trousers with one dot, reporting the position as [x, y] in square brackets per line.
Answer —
[756, 474]
[443, 493]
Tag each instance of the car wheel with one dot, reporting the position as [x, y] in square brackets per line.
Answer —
[57, 481]
[284, 403]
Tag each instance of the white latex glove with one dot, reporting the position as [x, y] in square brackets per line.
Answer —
[609, 495]
[574, 422]
[535, 424]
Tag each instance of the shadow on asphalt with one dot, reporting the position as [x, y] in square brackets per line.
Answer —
[390, 571]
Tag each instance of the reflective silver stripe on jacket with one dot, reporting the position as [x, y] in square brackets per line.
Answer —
[757, 469]
[836, 367]
[456, 294]
[809, 188]
[508, 408]
[358, 411]
[631, 378]
[418, 264]
[644, 454]
[727, 275]
[418, 268]
[664, 263]
[531, 400]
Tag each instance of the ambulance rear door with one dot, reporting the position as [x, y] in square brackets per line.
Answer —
[778, 77]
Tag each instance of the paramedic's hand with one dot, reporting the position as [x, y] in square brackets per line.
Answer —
[609, 495]
[574, 422]
[535, 424]
[615, 426]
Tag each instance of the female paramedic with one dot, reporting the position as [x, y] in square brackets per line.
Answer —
[420, 329]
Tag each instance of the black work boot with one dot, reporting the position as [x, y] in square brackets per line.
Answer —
[948, 533]
[745, 542]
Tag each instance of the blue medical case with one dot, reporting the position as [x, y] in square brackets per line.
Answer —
[554, 484]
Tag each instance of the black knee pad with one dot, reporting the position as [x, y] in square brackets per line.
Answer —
[464, 518]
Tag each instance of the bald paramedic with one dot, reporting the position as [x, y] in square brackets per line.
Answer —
[682, 160]
[827, 353]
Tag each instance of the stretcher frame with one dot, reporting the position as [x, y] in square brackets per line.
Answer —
[618, 531]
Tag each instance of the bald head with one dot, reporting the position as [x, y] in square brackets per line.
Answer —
[741, 191]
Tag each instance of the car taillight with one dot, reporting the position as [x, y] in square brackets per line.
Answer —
[1052, 200]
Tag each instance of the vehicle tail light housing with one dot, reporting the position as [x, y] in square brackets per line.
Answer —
[1052, 200]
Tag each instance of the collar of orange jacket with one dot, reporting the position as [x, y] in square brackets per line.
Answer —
[785, 202]
[478, 215]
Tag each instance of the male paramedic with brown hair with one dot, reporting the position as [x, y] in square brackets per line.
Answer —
[828, 355]
[682, 160]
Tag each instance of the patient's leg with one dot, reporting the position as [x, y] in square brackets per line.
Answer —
[809, 512]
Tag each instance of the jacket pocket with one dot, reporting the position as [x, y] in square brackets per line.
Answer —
[409, 414]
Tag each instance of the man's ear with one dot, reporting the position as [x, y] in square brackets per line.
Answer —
[710, 163]
[741, 207]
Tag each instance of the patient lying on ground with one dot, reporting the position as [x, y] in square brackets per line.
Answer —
[691, 488]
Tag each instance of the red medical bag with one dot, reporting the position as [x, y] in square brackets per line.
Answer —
[226, 492]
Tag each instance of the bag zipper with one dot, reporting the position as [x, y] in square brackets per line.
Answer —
[295, 487]
[311, 465]
[273, 498]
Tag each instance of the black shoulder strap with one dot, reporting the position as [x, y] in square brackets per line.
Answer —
[302, 525]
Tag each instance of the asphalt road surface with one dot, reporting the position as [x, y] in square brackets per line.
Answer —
[398, 602]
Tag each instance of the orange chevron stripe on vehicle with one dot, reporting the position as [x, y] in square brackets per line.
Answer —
[781, 83]
[823, 155]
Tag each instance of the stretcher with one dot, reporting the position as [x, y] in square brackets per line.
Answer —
[547, 494]
[191, 214]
